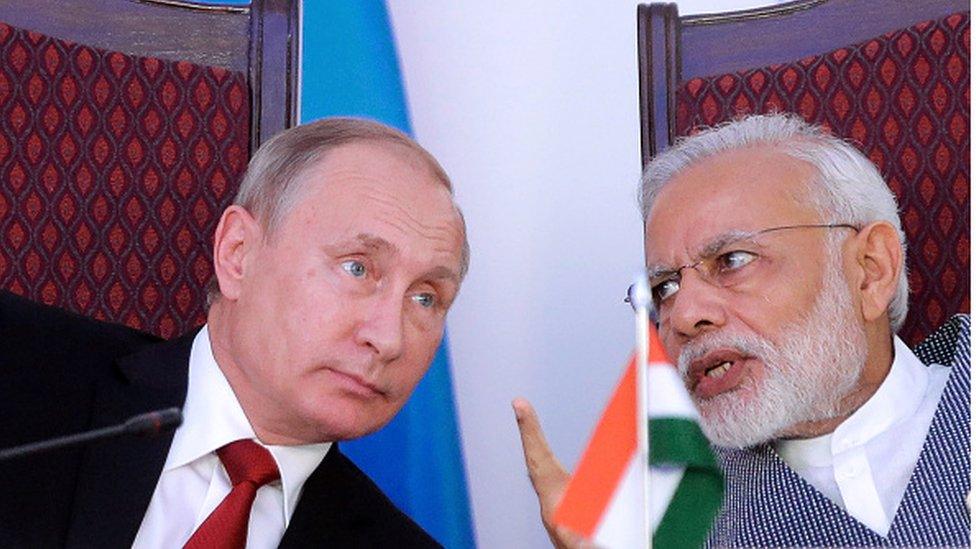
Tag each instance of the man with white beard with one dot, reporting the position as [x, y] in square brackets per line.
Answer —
[776, 262]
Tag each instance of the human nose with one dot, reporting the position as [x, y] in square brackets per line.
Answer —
[381, 327]
[696, 307]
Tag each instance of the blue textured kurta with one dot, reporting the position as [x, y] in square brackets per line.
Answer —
[768, 505]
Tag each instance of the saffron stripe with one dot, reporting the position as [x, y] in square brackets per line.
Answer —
[604, 461]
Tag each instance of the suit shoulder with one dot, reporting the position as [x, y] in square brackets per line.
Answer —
[949, 344]
[41, 330]
[391, 524]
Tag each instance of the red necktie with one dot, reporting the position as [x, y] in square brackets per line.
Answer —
[249, 467]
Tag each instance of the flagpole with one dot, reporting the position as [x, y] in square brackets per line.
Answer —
[642, 303]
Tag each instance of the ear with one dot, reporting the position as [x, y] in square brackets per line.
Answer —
[237, 236]
[879, 256]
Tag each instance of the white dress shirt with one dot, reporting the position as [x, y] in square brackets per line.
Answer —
[864, 466]
[194, 482]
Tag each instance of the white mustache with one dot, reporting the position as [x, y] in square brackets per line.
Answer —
[746, 344]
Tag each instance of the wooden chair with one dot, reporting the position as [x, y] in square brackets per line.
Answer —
[125, 127]
[892, 76]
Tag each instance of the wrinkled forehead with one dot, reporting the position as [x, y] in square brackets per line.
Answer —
[367, 182]
[735, 192]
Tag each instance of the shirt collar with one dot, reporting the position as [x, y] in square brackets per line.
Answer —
[212, 417]
[897, 398]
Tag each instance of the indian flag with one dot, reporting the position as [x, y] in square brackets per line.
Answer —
[604, 501]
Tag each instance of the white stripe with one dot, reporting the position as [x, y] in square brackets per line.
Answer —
[620, 525]
[664, 483]
[666, 394]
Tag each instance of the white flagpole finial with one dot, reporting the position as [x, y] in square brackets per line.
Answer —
[641, 296]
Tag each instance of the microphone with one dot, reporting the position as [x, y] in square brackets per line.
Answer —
[149, 424]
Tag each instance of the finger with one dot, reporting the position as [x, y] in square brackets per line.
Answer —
[546, 473]
[548, 477]
[564, 538]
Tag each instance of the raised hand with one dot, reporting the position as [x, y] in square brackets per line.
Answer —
[549, 478]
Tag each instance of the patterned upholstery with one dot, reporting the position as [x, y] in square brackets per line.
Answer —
[903, 98]
[113, 172]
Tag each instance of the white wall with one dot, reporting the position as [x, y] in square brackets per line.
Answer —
[532, 109]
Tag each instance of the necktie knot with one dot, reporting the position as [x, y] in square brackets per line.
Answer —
[248, 461]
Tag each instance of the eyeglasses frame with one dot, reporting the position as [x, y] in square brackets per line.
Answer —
[677, 271]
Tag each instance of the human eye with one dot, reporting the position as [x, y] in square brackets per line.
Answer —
[426, 300]
[734, 260]
[355, 268]
[664, 289]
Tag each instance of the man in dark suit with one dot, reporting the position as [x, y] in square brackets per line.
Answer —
[335, 268]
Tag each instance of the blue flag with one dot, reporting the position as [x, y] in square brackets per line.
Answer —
[350, 68]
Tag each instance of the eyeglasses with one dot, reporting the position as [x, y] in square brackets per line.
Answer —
[723, 263]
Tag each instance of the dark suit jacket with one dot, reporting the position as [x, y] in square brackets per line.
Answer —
[61, 374]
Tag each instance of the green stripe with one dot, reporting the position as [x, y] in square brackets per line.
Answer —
[688, 519]
[679, 441]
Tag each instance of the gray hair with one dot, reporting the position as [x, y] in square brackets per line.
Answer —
[274, 180]
[848, 187]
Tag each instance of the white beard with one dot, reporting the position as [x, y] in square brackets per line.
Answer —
[807, 373]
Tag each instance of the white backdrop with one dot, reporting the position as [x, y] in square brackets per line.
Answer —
[532, 109]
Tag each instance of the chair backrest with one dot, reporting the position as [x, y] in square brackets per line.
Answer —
[125, 127]
[891, 76]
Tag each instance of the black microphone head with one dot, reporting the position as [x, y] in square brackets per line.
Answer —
[153, 423]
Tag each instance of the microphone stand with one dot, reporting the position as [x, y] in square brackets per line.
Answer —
[149, 424]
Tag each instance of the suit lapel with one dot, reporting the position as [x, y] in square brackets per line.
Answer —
[117, 477]
[331, 510]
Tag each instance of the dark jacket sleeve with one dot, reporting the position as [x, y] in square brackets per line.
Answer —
[50, 363]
